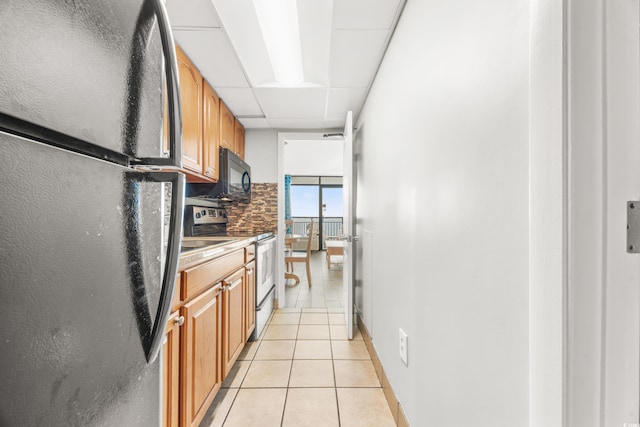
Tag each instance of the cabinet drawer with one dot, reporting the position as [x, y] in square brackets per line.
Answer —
[198, 279]
[249, 253]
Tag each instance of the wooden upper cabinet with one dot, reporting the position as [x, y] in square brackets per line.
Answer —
[210, 131]
[239, 139]
[191, 102]
[227, 127]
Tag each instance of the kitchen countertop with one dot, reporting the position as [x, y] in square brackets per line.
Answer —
[196, 250]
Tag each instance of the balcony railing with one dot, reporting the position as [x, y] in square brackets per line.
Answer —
[331, 228]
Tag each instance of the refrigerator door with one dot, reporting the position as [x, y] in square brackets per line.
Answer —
[90, 70]
[81, 280]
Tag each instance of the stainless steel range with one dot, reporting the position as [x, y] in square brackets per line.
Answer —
[207, 217]
[265, 282]
[204, 217]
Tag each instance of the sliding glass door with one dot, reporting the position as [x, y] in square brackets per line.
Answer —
[317, 199]
[331, 212]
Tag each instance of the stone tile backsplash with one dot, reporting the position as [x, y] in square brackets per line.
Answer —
[258, 215]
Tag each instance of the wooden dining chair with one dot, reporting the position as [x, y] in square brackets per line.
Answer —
[303, 256]
[288, 246]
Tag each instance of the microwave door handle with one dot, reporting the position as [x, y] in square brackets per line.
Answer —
[246, 182]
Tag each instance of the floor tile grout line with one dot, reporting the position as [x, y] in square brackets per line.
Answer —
[286, 396]
[335, 379]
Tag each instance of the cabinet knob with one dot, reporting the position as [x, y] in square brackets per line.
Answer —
[249, 271]
[179, 321]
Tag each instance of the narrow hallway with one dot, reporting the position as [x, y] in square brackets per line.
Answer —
[303, 371]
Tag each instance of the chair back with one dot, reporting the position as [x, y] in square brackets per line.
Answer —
[310, 238]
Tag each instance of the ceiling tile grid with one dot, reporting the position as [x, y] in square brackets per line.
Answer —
[342, 44]
[241, 101]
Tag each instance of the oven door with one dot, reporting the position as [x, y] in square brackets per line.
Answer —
[265, 268]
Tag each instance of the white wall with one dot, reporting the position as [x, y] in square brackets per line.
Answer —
[313, 157]
[322, 157]
[261, 153]
[496, 152]
[443, 189]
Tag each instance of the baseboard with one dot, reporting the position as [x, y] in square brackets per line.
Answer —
[394, 405]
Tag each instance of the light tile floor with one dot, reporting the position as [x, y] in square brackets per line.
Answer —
[326, 289]
[303, 371]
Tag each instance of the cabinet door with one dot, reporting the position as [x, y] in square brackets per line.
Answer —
[227, 127]
[210, 131]
[233, 301]
[239, 139]
[201, 368]
[250, 299]
[171, 371]
[191, 103]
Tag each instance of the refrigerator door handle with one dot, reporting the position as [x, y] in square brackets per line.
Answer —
[173, 94]
[171, 265]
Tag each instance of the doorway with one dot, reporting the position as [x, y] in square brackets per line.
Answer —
[310, 155]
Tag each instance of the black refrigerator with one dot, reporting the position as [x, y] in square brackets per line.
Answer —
[90, 227]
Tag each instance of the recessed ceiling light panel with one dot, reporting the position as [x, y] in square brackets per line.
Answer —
[279, 24]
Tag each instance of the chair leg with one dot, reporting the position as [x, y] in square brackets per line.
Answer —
[309, 272]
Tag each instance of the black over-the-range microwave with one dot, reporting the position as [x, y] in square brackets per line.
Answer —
[234, 182]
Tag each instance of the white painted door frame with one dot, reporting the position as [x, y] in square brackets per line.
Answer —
[282, 138]
[584, 166]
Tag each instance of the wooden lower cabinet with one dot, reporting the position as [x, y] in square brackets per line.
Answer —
[171, 373]
[250, 300]
[212, 319]
[201, 374]
[233, 313]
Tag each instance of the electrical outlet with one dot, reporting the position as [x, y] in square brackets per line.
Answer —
[404, 341]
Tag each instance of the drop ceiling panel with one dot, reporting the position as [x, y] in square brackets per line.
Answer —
[355, 56]
[296, 123]
[241, 22]
[192, 13]
[292, 103]
[241, 101]
[364, 14]
[342, 100]
[212, 53]
[254, 122]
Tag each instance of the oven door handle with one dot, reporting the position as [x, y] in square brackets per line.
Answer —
[266, 242]
[265, 299]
